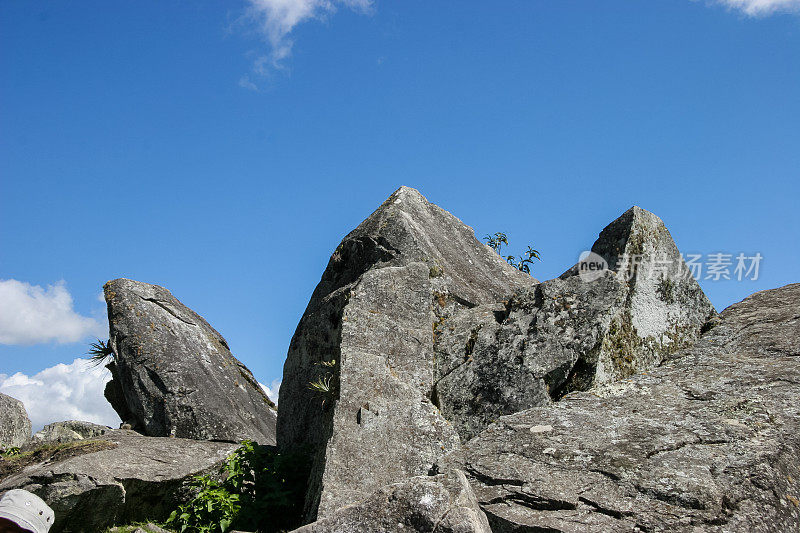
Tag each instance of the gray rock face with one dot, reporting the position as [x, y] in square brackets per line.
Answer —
[569, 334]
[15, 427]
[360, 368]
[174, 375]
[709, 441]
[146, 528]
[443, 504]
[142, 478]
[69, 431]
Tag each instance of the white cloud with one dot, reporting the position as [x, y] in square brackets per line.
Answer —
[245, 83]
[755, 8]
[275, 20]
[63, 392]
[273, 390]
[30, 314]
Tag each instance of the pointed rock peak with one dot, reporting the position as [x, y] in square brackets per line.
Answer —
[406, 229]
[360, 365]
[405, 193]
[637, 232]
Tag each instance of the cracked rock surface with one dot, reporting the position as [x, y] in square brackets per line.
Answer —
[436, 504]
[68, 431]
[174, 375]
[360, 368]
[569, 334]
[15, 426]
[141, 478]
[708, 441]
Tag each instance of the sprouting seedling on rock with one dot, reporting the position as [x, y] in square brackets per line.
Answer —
[496, 241]
[523, 263]
[99, 352]
[321, 384]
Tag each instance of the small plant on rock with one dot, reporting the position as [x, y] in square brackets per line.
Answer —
[99, 352]
[496, 241]
[522, 263]
[10, 452]
[322, 384]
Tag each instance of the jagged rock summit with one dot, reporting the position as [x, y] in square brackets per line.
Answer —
[174, 375]
[572, 332]
[360, 369]
[15, 426]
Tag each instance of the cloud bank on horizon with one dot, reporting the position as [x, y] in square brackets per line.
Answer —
[756, 8]
[63, 392]
[275, 20]
[73, 392]
[31, 314]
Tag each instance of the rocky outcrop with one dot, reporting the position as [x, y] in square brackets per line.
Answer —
[360, 369]
[142, 478]
[15, 427]
[442, 504]
[708, 441]
[572, 332]
[174, 375]
[69, 431]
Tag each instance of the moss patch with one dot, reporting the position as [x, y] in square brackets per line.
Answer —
[52, 453]
[622, 344]
[666, 290]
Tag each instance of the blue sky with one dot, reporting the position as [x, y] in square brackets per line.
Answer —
[223, 149]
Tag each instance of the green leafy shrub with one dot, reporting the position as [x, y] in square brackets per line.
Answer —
[522, 263]
[10, 452]
[496, 241]
[261, 490]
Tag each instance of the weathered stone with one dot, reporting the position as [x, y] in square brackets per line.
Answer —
[143, 478]
[443, 503]
[68, 431]
[145, 528]
[15, 427]
[568, 333]
[708, 441]
[365, 343]
[174, 375]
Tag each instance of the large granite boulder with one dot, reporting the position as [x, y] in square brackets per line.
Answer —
[15, 426]
[68, 431]
[442, 503]
[139, 479]
[572, 332]
[174, 375]
[360, 369]
[709, 441]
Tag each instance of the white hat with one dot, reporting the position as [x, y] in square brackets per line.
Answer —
[26, 510]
